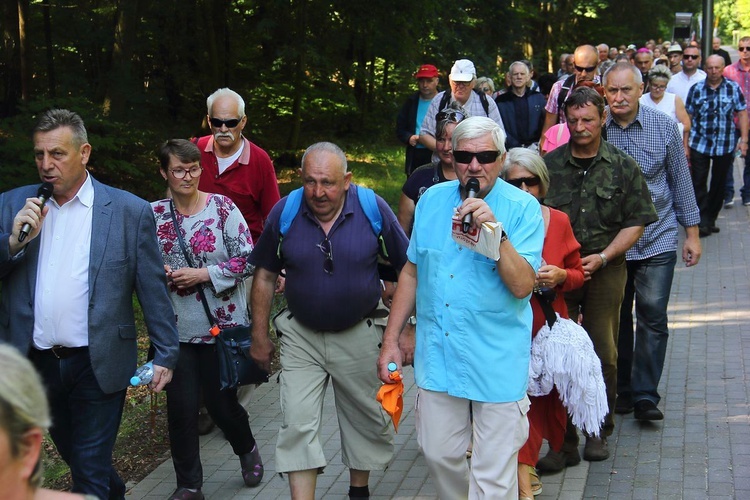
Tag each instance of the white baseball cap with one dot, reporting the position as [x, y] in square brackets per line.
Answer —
[463, 71]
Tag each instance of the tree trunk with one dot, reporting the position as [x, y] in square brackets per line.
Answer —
[24, 50]
[48, 49]
[121, 79]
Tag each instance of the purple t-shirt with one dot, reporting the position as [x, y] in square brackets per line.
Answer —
[336, 301]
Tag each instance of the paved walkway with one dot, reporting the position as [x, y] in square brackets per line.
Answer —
[700, 450]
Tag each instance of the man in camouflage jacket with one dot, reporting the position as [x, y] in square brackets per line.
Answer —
[607, 199]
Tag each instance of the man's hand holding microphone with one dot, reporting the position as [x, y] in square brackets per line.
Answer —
[28, 221]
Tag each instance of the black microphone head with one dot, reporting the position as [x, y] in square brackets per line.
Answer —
[472, 185]
[45, 190]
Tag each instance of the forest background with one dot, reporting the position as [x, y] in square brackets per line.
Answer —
[139, 71]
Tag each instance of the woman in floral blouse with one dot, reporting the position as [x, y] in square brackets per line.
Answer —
[219, 244]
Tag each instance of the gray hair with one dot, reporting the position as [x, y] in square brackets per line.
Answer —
[624, 66]
[478, 126]
[55, 118]
[23, 403]
[327, 147]
[226, 92]
[659, 71]
[482, 80]
[529, 160]
[441, 124]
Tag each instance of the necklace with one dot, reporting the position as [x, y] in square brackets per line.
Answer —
[190, 211]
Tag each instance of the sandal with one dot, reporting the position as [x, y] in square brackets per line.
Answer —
[536, 483]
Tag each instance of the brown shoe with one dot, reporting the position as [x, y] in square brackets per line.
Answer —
[596, 449]
[555, 461]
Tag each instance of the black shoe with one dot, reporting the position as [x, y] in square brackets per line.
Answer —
[645, 409]
[555, 461]
[704, 231]
[624, 405]
[205, 423]
[186, 494]
[596, 449]
[714, 229]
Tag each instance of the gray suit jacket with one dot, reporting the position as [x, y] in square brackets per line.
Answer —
[124, 258]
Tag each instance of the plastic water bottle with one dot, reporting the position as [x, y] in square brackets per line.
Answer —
[392, 367]
[143, 374]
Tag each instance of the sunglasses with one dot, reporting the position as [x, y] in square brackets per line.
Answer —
[690, 56]
[325, 247]
[450, 115]
[482, 157]
[743, 49]
[529, 181]
[217, 123]
[587, 69]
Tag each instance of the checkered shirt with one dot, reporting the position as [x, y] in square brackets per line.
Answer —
[654, 141]
[711, 111]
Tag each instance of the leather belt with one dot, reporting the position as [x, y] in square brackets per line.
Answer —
[62, 352]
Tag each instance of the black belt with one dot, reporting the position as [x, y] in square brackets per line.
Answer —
[62, 352]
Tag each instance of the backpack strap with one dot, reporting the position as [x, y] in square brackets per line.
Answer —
[567, 85]
[288, 214]
[369, 204]
[485, 103]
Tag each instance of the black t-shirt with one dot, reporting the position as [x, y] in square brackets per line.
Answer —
[422, 178]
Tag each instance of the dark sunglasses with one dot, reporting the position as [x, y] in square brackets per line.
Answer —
[215, 122]
[529, 181]
[743, 49]
[587, 69]
[325, 247]
[450, 115]
[482, 157]
[690, 56]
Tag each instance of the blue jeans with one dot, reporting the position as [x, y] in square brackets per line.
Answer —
[650, 283]
[85, 421]
[745, 189]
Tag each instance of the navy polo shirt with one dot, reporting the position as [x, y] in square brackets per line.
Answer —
[335, 301]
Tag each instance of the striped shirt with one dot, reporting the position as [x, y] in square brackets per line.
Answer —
[655, 143]
[711, 111]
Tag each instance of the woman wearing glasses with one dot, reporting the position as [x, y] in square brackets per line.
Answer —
[667, 102]
[432, 173]
[561, 271]
[218, 244]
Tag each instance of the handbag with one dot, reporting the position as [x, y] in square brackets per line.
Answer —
[236, 367]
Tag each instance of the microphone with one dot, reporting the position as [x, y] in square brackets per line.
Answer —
[43, 193]
[472, 188]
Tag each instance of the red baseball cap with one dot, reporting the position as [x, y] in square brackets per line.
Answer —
[426, 71]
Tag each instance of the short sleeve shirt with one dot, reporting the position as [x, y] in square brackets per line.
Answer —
[712, 112]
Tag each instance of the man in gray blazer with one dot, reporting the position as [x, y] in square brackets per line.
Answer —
[67, 297]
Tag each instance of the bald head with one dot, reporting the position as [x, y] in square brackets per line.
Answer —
[585, 62]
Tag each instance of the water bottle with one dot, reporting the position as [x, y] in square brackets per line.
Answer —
[143, 374]
[392, 367]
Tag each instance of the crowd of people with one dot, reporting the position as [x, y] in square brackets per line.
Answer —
[564, 192]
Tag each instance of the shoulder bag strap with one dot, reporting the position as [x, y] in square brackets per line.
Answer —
[183, 247]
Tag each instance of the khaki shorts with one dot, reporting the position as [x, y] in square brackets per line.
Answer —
[309, 359]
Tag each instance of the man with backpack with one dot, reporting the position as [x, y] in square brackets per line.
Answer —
[585, 68]
[328, 236]
[462, 79]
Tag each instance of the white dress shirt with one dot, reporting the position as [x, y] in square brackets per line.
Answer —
[61, 295]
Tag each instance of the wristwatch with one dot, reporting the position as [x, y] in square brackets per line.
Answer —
[412, 320]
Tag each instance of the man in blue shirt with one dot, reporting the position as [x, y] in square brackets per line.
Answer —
[653, 140]
[711, 105]
[473, 335]
[409, 120]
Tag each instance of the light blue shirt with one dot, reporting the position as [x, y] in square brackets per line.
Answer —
[422, 107]
[473, 335]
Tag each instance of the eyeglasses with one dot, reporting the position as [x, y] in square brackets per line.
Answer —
[658, 87]
[217, 123]
[461, 84]
[587, 69]
[482, 157]
[450, 115]
[325, 247]
[180, 173]
[743, 49]
[690, 56]
[529, 181]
